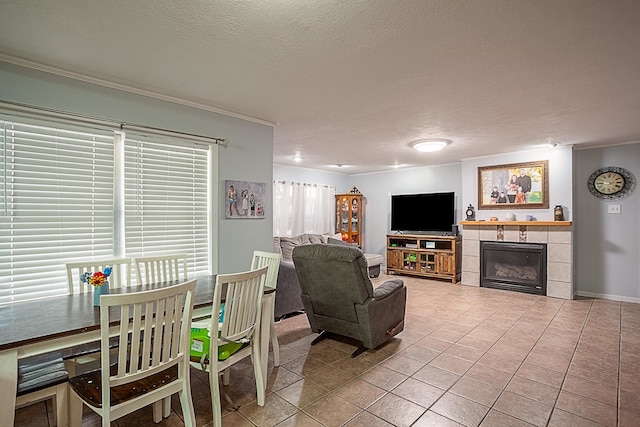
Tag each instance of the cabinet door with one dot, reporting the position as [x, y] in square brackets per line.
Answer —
[394, 258]
[445, 264]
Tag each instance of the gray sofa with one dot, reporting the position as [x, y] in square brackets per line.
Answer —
[288, 299]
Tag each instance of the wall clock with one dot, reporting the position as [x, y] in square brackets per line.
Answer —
[611, 182]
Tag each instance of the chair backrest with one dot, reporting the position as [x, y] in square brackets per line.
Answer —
[242, 307]
[334, 278]
[120, 275]
[161, 268]
[153, 339]
[270, 259]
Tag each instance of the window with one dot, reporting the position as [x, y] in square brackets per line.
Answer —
[166, 200]
[57, 204]
[61, 200]
[302, 208]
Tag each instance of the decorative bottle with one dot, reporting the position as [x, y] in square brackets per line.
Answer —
[558, 213]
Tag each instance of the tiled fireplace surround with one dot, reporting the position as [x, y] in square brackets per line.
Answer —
[559, 251]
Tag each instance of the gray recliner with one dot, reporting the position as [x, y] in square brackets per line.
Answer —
[339, 298]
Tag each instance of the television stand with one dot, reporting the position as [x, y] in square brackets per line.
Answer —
[438, 257]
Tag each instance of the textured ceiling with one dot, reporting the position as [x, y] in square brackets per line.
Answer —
[355, 82]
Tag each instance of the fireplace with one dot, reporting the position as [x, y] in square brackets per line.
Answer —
[520, 267]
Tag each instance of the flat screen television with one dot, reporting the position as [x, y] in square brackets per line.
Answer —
[428, 213]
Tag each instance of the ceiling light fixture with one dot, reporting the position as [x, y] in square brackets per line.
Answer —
[430, 145]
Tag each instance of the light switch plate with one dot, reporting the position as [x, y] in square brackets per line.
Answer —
[613, 209]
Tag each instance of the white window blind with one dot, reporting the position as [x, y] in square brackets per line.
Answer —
[166, 200]
[57, 204]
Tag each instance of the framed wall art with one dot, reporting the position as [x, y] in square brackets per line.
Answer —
[514, 186]
[245, 200]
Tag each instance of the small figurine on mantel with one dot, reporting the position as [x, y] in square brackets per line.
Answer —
[354, 190]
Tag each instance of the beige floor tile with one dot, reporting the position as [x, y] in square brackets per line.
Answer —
[459, 409]
[421, 354]
[464, 352]
[498, 419]
[437, 377]
[531, 411]
[451, 363]
[483, 393]
[418, 392]
[360, 393]
[396, 410]
[382, 377]
[404, 365]
[332, 411]
[432, 419]
[302, 393]
[366, 419]
[541, 374]
[560, 418]
[587, 408]
[299, 419]
[489, 375]
[592, 390]
[275, 410]
[330, 377]
[533, 390]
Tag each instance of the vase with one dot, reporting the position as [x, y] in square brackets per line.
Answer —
[100, 290]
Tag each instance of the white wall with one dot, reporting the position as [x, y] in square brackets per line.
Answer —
[560, 181]
[607, 256]
[377, 189]
[248, 156]
[311, 176]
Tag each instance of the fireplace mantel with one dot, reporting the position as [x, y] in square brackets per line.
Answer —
[481, 223]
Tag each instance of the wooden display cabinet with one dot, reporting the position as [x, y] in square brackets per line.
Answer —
[425, 255]
[349, 211]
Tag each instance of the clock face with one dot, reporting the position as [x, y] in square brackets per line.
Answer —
[611, 183]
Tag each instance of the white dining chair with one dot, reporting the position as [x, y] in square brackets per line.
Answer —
[81, 358]
[235, 337]
[44, 377]
[120, 275]
[152, 360]
[161, 268]
[272, 260]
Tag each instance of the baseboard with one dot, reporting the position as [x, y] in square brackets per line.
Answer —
[607, 296]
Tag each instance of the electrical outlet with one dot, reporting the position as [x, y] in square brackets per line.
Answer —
[613, 209]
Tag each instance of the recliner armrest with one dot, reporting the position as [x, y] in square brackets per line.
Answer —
[387, 288]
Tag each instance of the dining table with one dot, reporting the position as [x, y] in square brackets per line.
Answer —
[63, 322]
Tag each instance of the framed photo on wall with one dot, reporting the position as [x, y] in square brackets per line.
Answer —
[244, 200]
[514, 186]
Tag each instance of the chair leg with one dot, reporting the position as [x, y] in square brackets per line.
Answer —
[62, 405]
[275, 344]
[157, 411]
[166, 407]
[215, 395]
[75, 410]
[226, 376]
[186, 403]
[257, 371]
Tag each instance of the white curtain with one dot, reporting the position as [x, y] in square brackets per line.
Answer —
[302, 208]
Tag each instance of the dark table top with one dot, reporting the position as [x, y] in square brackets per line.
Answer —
[31, 322]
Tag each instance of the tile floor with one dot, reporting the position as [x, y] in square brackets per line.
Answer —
[467, 356]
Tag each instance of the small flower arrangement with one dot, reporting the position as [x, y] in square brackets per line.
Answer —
[96, 279]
